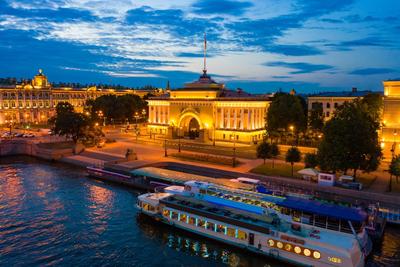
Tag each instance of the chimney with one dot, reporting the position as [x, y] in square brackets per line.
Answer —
[354, 90]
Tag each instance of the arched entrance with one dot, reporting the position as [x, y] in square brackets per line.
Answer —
[189, 126]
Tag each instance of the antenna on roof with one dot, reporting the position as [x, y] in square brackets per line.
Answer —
[205, 53]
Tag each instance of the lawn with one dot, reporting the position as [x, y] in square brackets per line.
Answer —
[280, 169]
[366, 179]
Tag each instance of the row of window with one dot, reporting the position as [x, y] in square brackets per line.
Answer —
[213, 227]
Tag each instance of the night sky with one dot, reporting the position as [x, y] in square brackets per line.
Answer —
[260, 46]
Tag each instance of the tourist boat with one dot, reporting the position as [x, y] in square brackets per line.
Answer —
[292, 230]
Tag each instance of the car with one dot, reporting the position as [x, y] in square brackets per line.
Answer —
[19, 135]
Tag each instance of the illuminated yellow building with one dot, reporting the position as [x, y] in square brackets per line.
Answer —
[206, 110]
[35, 101]
[390, 136]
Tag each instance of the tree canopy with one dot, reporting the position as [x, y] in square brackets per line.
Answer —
[310, 160]
[286, 110]
[71, 124]
[264, 151]
[293, 155]
[350, 140]
[316, 117]
[117, 108]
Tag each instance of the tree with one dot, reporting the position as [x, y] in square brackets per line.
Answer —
[284, 111]
[373, 103]
[350, 140]
[394, 170]
[316, 117]
[74, 125]
[69, 123]
[274, 153]
[310, 160]
[264, 151]
[293, 155]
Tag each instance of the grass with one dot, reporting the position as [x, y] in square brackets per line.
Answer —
[204, 158]
[280, 169]
[366, 179]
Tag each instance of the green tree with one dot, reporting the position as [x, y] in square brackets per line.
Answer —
[69, 123]
[316, 117]
[394, 170]
[373, 103]
[350, 140]
[264, 151]
[286, 110]
[310, 160]
[293, 155]
[274, 153]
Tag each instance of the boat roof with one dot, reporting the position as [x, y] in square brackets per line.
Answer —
[315, 207]
[182, 177]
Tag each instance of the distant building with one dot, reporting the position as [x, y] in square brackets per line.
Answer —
[330, 101]
[390, 136]
[35, 101]
[208, 111]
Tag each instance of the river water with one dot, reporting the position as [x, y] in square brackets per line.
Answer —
[52, 215]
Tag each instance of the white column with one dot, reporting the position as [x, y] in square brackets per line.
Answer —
[252, 119]
[158, 119]
[242, 118]
[229, 118]
[248, 125]
[221, 123]
[167, 108]
[235, 119]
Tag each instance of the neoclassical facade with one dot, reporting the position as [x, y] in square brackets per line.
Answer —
[35, 101]
[207, 110]
[390, 136]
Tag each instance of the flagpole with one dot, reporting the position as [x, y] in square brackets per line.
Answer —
[205, 53]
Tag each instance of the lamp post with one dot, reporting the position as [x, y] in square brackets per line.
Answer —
[213, 134]
[179, 139]
[291, 128]
[234, 150]
[165, 146]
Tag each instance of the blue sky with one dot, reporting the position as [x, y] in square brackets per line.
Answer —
[260, 46]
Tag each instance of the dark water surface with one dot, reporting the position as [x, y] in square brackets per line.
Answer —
[51, 214]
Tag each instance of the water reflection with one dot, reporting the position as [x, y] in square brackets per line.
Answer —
[194, 245]
[100, 204]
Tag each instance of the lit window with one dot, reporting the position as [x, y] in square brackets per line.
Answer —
[297, 250]
[317, 255]
[288, 247]
[279, 244]
[307, 252]
[271, 242]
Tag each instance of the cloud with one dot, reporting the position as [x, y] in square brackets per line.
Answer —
[358, 19]
[372, 71]
[294, 50]
[368, 41]
[228, 7]
[299, 67]
[317, 7]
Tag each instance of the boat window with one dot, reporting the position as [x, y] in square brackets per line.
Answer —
[166, 212]
[333, 224]
[242, 235]
[174, 215]
[192, 220]
[221, 228]
[230, 232]
[320, 221]
[202, 191]
[345, 227]
[285, 211]
[201, 223]
[182, 217]
[210, 226]
[296, 215]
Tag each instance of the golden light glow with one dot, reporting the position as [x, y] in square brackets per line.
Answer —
[271, 242]
[279, 244]
[382, 144]
[335, 260]
[316, 254]
[288, 247]
[297, 249]
[307, 252]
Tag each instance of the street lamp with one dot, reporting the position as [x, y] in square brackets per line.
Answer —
[291, 128]
[179, 139]
[165, 146]
[234, 150]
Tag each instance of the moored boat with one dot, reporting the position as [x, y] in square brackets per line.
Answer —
[262, 225]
